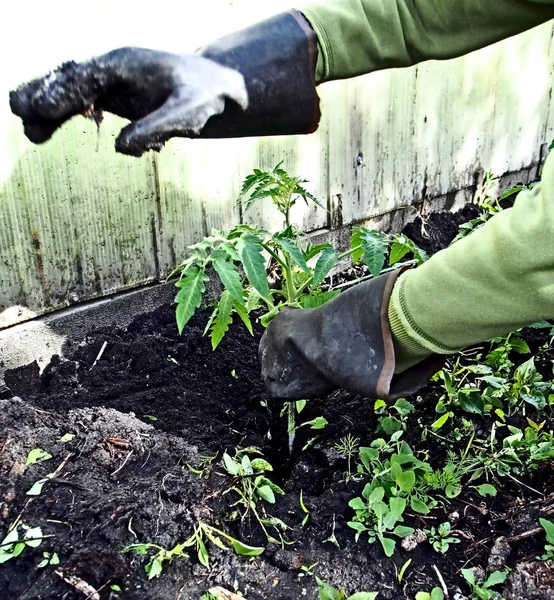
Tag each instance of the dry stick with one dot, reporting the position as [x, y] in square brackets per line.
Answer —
[524, 535]
[80, 585]
[123, 463]
[442, 582]
[99, 355]
[25, 540]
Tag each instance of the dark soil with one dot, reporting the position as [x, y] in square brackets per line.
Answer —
[154, 404]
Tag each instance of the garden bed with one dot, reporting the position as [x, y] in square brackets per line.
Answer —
[144, 415]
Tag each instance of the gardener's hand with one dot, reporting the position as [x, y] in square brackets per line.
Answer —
[162, 94]
[346, 343]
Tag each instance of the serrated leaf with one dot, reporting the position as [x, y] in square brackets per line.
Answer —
[222, 319]
[374, 247]
[289, 247]
[243, 314]
[326, 261]
[189, 297]
[230, 278]
[317, 300]
[520, 346]
[250, 250]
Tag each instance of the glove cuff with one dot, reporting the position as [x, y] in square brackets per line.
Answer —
[277, 58]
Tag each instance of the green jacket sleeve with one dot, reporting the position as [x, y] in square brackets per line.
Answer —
[361, 36]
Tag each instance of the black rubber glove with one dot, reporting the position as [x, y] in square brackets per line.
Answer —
[346, 343]
[258, 81]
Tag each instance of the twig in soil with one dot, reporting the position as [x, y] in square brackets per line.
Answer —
[80, 585]
[31, 539]
[442, 582]
[129, 454]
[130, 529]
[99, 355]
[523, 536]
[223, 594]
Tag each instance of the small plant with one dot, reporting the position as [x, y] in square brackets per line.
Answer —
[328, 592]
[348, 447]
[435, 594]
[247, 259]
[548, 527]
[441, 537]
[15, 541]
[482, 590]
[202, 532]
[252, 485]
[394, 485]
[48, 559]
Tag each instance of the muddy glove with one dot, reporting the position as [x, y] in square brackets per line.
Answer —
[346, 343]
[259, 81]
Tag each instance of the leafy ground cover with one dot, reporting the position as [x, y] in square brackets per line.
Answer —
[163, 470]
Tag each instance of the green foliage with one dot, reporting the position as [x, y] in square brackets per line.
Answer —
[348, 446]
[48, 559]
[441, 537]
[394, 485]
[328, 592]
[198, 540]
[259, 269]
[482, 590]
[548, 527]
[253, 487]
[37, 455]
[16, 541]
[435, 594]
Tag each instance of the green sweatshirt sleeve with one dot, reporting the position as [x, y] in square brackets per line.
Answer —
[361, 36]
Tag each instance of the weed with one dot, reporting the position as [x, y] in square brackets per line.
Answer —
[48, 559]
[15, 541]
[202, 532]
[548, 527]
[435, 594]
[328, 592]
[252, 485]
[441, 537]
[348, 446]
[481, 590]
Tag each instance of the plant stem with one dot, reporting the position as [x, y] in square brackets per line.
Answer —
[366, 277]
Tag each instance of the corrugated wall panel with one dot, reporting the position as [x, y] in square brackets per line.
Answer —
[78, 221]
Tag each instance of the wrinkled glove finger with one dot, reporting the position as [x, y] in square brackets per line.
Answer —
[184, 114]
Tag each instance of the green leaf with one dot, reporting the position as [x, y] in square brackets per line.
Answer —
[37, 455]
[388, 545]
[243, 314]
[496, 578]
[36, 488]
[317, 423]
[418, 506]
[250, 250]
[374, 248]
[403, 407]
[520, 346]
[202, 552]
[260, 464]
[397, 506]
[222, 319]
[548, 527]
[363, 596]
[486, 489]
[189, 297]
[18, 549]
[266, 493]
[437, 594]
[35, 532]
[472, 402]
[406, 481]
[397, 252]
[230, 278]
[357, 504]
[440, 421]
[231, 466]
[401, 531]
[355, 524]
[326, 261]
[534, 398]
[469, 576]
[66, 438]
[290, 248]
[246, 550]
[154, 568]
[317, 300]
[328, 592]
[453, 490]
